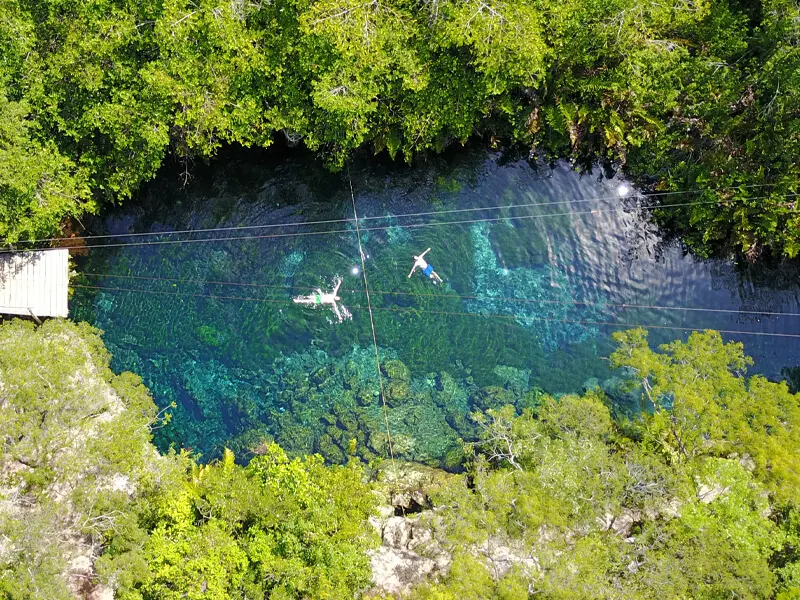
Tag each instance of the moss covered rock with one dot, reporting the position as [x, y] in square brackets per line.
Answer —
[407, 485]
[397, 392]
[396, 370]
[494, 397]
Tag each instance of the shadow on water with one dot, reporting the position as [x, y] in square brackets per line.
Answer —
[532, 293]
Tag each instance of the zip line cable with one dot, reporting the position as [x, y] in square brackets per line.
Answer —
[623, 306]
[202, 282]
[381, 228]
[399, 216]
[283, 302]
[372, 325]
[582, 322]
[450, 313]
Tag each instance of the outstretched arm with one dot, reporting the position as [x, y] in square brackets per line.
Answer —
[338, 285]
[414, 268]
[424, 253]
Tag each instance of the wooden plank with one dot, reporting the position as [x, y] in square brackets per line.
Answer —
[37, 273]
[35, 281]
[60, 281]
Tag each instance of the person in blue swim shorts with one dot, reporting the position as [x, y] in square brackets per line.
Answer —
[427, 270]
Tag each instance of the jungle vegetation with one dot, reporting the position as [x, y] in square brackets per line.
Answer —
[696, 498]
[685, 94]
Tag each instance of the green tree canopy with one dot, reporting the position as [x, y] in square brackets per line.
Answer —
[705, 405]
[75, 438]
[278, 528]
[687, 95]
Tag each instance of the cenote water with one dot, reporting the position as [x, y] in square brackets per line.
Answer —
[530, 298]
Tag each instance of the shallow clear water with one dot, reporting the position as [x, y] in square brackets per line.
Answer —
[530, 298]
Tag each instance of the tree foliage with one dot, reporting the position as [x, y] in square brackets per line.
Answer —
[279, 528]
[705, 406]
[695, 498]
[74, 437]
[689, 95]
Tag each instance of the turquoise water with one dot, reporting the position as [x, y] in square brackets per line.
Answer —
[530, 297]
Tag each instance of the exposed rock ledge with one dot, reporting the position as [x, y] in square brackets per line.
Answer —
[410, 554]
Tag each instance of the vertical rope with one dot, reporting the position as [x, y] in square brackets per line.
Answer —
[372, 324]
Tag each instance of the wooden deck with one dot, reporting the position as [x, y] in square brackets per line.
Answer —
[35, 283]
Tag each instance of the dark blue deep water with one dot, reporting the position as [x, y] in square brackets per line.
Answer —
[531, 296]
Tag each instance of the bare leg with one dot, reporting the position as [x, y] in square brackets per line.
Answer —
[336, 310]
[346, 313]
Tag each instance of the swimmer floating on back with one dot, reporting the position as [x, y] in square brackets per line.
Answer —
[427, 269]
[320, 298]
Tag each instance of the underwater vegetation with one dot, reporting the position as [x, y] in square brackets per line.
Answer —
[291, 262]
[398, 236]
[539, 298]
[311, 402]
[216, 333]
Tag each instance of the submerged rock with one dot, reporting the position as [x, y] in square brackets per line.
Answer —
[396, 370]
[398, 384]
[624, 393]
[541, 299]
[494, 397]
[312, 401]
[516, 380]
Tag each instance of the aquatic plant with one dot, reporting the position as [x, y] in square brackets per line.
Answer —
[219, 263]
[541, 299]
[291, 262]
[104, 303]
[209, 335]
[398, 236]
[312, 402]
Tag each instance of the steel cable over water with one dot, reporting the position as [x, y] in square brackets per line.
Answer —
[623, 306]
[372, 325]
[399, 216]
[448, 313]
[380, 228]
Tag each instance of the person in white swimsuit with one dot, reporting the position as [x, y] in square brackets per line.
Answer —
[320, 298]
[421, 263]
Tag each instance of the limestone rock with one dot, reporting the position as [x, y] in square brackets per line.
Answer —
[748, 463]
[707, 494]
[405, 487]
[396, 370]
[397, 532]
[591, 384]
[502, 558]
[407, 533]
[101, 592]
[623, 524]
[396, 571]
[398, 382]
[494, 397]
